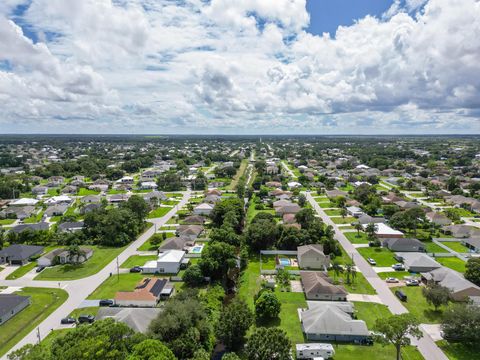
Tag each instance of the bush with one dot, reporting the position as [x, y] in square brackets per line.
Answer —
[259, 207]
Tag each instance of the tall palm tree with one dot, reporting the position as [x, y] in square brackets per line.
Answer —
[336, 269]
[371, 229]
[359, 228]
[348, 272]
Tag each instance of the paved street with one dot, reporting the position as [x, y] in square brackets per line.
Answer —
[426, 345]
[79, 290]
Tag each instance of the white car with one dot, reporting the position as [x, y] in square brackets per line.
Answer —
[391, 280]
[371, 261]
[412, 282]
[398, 267]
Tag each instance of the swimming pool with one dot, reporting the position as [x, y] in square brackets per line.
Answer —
[284, 261]
[197, 249]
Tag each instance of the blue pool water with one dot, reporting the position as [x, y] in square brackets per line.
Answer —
[284, 262]
[197, 249]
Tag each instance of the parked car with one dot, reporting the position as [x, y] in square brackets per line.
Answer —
[68, 320]
[371, 261]
[86, 319]
[398, 267]
[412, 282]
[136, 269]
[105, 302]
[391, 280]
[401, 295]
[39, 268]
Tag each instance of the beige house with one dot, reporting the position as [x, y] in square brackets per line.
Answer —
[318, 286]
[312, 257]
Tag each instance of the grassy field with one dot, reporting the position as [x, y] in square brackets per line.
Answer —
[457, 351]
[85, 192]
[382, 256]
[359, 286]
[240, 172]
[123, 282]
[431, 247]
[456, 246]
[396, 274]
[370, 312]
[417, 305]
[355, 239]
[147, 246]
[92, 310]
[159, 212]
[325, 205]
[333, 212]
[453, 263]
[137, 260]
[21, 271]
[100, 258]
[43, 303]
[345, 220]
[34, 218]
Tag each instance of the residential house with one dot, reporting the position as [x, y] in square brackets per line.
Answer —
[18, 254]
[461, 288]
[40, 190]
[403, 244]
[367, 219]
[384, 231]
[354, 211]
[318, 286]
[154, 195]
[18, 212]
[146, 294]
[335, 193]
[32, 227]
[472, 243]
[69, 189]
[291, 208]
[24, 202]
[168, 262]
[70, 226]
[438, 218]
[462, 231]
[89, 207]
[56, 210]
[62, 256]
[137, 319]
[312, 257]
[203, 209]
[91, 199]
[329, 322]
[61, 199]
[191, 232]
[417, 262]
[146, 185]
[176, 243]
[10, 305]
[194, 219]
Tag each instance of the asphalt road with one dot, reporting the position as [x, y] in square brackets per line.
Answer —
[79, 290]
[426, 345]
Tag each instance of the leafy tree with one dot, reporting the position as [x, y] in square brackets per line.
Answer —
[461, 324]
[75, 254]
[371, 230]
[156, 239]
[217, 258]
[268, 344]
[472, 270]
[151, 350]
[230, 356]
[169, 182]
[261, 234]
[343, 212]
[302, 200]
[290, 238]
[235, 319]
[138, 206]
[305, 217]
[359, 228]
[201, 354]
[267, 305]
[397, 330]
[436, 295]
[282, 278]
[193, 276]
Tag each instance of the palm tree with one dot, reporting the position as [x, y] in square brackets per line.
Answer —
[348, 272]
[354, 273]
[343, 212]
[329, 233]
[336, 269]
[358, 227]
[371, 229]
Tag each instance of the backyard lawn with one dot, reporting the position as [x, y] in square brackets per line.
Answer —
[355, 239]
[159, 212]
[377, 352]
[359, 286]
[100, 258]
[382, 256]
[453, 263]
[456, 246]
[345, 220]
[43, 303]
[417, 305]
[137, 260]
[22, 270]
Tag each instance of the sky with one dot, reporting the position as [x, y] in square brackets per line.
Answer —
[240, 66]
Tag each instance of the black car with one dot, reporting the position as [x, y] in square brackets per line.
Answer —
[401, 295]
[136, 269]
[68, 320]
[86, 319]
[40, 268]
[105, 303]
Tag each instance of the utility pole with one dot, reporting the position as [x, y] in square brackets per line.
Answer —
[38, 335]
[118, 271]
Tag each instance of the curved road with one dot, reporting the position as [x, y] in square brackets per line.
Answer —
[426, 345]
[79, 290]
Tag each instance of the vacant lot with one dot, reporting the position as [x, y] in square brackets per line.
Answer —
[417, 305]
[452, 263]
[43, 303]
[456, 246]
[345, 220]
[137, 260]
[355, 238]
[382, 256]
[159, 212]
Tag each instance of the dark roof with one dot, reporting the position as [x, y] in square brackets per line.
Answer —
[33, 227]
[8, 302]
[157, 288]
[21, 252]
[70, 225]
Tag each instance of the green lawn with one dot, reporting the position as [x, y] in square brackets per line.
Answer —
[417, 305]
[334, 212]
[34, 218]
[431, 247]
[249, 283]
[7, 221]
[22, 270]
[359, 286]
[456, 246]
[370, 312]
[43, 303]
[101, 257]
[92, 310]
[461, 212]
[289, 320]
[147, 246]
[453, 263]
[382, 256]
[85, 192]
[325, 205]
[457, 351]
[137, 260]
[355, 239]
[396, 274]
[240, 172]
[375, 352]
[159, 212]
[345, 220]
[123, 282]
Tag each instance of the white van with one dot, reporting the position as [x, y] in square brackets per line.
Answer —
[314, 351]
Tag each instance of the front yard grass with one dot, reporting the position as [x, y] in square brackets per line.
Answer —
[4, 222]
[431, 247]
[370, 312]
[453, 263]
[354, 238]
[333, 212]
[100, 258]
[159, 212]
[359, 286]
[21, 271]
[417, 305]
[325, 205]
[137, 260]
[91, 310]
[345, 220]
[396, 274]
[43, 303]
[85, 192]
[382, 256]
[456, 246]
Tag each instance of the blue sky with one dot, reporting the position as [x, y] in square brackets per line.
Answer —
[240, 67]
[327, 15]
